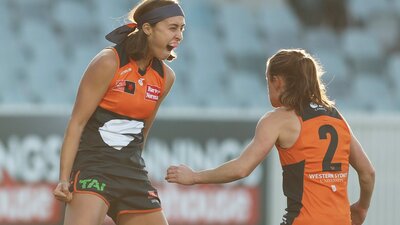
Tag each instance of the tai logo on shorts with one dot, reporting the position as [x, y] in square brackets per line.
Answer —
[92, 183]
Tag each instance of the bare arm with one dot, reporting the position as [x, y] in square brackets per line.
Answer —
[266, 134]
[92, 88]
[169, 81]
[366, 175]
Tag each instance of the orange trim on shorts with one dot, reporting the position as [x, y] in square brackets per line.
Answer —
[88, 192]
[138, 211]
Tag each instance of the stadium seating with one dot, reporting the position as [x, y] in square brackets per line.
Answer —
[46, 46]
[372, 93]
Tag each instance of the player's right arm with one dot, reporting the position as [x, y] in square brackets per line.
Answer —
[366, 176]
[92, 88]
[266, 135]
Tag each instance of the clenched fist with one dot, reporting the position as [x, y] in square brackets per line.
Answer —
[181, 174]
[62, 193]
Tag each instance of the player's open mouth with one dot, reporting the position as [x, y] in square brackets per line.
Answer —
[170, 47]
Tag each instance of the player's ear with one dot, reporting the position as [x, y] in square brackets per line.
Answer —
[147, 29]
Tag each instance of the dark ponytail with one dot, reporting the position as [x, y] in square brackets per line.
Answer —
[302, 74]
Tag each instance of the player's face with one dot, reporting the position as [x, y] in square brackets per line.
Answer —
[165, 36]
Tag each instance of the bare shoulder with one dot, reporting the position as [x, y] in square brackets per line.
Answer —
[169, 72]
[269, 128]
[279, 114]
[102, 67]
[106, 58]
[169, 78]
[271, 118]
[278, 118]
[101, 70]
[280, 124]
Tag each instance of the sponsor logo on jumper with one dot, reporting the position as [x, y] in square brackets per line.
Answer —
[328, 177]
[124, 86]
[118, 133]
[317, 107]
[140, 81]
[92, 184]
[153, 92]
[125, 71]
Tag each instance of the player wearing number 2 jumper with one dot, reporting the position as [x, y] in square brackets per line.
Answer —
[315, 146]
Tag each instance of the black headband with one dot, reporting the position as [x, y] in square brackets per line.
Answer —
[160, 13]
[121, 33]
[153, 16]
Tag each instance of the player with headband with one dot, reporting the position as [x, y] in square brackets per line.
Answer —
[102, 170]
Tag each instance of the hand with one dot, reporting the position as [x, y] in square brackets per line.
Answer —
[62, 193]
[181, 174]
[358, 214]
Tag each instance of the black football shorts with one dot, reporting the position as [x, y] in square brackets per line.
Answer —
[117, 178]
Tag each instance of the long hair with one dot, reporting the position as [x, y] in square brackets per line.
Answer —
[136, 45]
[302, 75]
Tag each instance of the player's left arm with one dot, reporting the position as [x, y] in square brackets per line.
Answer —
[366, 176]
[266, 134]
[169, 81]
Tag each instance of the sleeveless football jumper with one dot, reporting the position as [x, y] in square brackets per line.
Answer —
[315, 170]
[109, 162]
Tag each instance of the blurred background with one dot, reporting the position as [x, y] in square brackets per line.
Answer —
[218, 96]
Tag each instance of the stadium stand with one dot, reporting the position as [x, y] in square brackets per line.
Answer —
[48, 43]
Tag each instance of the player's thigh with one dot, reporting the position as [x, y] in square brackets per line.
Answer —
[85, 209]
[152, 218]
